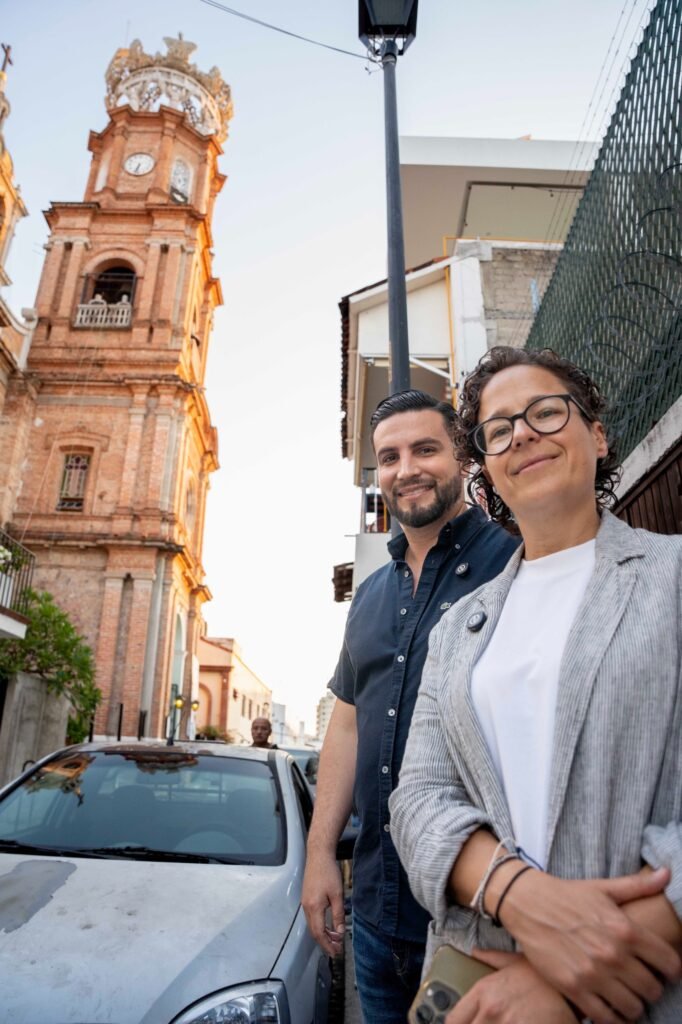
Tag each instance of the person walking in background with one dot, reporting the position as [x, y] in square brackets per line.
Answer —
[446, 551]
[261, 730]
[540, 802]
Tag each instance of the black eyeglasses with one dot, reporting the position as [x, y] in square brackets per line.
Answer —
[546, 415]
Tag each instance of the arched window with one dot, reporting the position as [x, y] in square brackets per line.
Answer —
[115, 284]
[108, 296]
[74, 478]
[180, 181]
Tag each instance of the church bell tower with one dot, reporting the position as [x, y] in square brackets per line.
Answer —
[120, 446]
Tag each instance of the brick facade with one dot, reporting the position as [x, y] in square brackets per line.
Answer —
[118, 538]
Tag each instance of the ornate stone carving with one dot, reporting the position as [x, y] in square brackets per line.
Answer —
[146, 82]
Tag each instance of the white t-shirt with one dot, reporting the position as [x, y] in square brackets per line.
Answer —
[514, 684]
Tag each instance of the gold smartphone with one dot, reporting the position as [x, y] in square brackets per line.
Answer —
[450, 975]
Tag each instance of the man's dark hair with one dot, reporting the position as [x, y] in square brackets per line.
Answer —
[578, 384]
[411, 401]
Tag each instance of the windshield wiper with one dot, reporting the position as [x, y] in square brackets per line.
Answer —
[14, 846]
[149, 853]
[130, 852]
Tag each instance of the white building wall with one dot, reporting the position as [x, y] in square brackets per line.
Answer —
[325, 707]
[468, 308]
[427, 323]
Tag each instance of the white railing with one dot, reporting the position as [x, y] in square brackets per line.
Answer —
[101, 314]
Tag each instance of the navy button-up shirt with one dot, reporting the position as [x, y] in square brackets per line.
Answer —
[379, 671]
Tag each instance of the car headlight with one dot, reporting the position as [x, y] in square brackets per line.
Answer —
[262, 1002]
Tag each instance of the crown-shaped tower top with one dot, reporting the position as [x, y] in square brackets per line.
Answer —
[145, 83]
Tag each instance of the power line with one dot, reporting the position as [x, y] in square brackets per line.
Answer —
[284, 31]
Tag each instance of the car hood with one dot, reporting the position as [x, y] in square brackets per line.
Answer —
[131, 942]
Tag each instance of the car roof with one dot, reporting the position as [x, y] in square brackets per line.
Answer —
[162, 747]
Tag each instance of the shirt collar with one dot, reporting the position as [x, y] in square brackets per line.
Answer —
[457, 531]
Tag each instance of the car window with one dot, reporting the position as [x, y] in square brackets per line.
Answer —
[307, 761]
[167, 800]
[303, 796]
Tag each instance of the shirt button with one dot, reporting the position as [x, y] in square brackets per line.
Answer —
[401, 658]
[391, 712]
[403, 611]
[384, 769]
[387, 828]
[406, 573]
[457, 547]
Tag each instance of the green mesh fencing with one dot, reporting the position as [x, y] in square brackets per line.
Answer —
[614, 303]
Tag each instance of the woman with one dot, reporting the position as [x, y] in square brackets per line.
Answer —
[542, 781]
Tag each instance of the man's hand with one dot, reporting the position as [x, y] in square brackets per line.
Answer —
[577, 937]
[514, 994]
[322, 886]
[322, 889]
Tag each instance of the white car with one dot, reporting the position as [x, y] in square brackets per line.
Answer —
[142, 883]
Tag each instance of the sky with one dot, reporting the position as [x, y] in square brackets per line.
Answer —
[299, 224]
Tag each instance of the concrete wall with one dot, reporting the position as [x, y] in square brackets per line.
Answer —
[33, 724]
[509, 278]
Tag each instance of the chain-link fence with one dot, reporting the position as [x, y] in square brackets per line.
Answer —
[614, 304]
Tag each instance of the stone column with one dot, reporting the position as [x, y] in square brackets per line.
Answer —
[117, 147]
[201, 188]
[165, 311]
[48, 279]
[162, 425]
[136, 414]
[68, 296]
[107, 636]
[135, 652]
[146, 296]
[162, 172]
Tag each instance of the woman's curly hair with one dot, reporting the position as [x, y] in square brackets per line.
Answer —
[577, 383]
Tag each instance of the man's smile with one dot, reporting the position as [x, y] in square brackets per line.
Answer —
[413, 491]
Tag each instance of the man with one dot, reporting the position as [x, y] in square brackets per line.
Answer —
[260, 733]
[446, 551]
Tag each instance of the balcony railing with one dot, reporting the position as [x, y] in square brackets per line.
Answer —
[375, 517]
[16, 574]
[102, 315]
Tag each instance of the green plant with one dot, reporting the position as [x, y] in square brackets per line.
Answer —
[53, 650]
[212, 732]
[13, 559]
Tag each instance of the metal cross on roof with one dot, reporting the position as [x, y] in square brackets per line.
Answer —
[7, 58]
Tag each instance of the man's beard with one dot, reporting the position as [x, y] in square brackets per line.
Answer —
[445, 496]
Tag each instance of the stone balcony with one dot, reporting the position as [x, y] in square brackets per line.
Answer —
[101, 315]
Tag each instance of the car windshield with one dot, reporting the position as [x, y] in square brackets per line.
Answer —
[160, 803]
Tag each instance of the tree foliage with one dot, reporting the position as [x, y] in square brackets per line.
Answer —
[53, 650]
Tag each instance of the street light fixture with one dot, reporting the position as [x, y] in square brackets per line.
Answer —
[387, 27]
[177, 703]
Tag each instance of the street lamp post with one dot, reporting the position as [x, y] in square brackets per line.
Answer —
[177, 704]
[387, 27]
